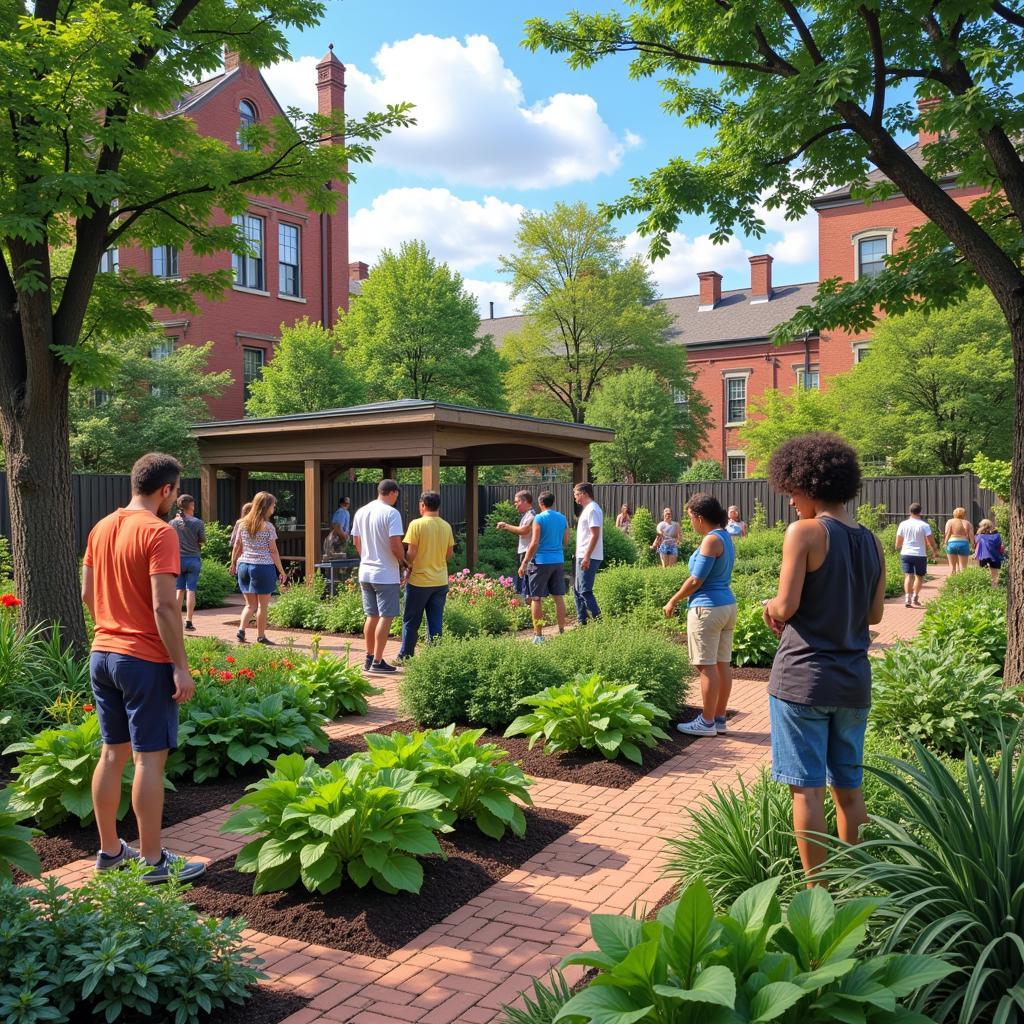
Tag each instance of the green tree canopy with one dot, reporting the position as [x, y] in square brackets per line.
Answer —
[774, 417]
[89, 160]
[702, 469]
[309, 372]
[148, 403]
[591, 313]
[412, 333]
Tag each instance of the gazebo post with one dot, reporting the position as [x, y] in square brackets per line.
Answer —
[472, 515]
[312, 495]
[579, 471]
[208, 491]
[241, 489]
[431, 480]
[387, 471]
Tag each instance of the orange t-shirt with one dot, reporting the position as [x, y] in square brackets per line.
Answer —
[124, 550]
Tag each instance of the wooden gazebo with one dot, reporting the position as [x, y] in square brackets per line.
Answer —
[388, 436]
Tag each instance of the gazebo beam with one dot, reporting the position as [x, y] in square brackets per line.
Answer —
[208, 491]
[311, 476]
[431, 478]
[472, 515]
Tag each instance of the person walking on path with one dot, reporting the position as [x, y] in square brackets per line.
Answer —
[254, 558]
[238, 525]
[913, 542]
[624, 520]
[958, 538]
[589, 553]
[544, 564]
[711, 614]
[735, 526]
[377, 534]
[524, 506]
[989, 550]
[138, 667]
[666, 539]
[831, 589]
[191, 533]
[429, 544]
[340, 522]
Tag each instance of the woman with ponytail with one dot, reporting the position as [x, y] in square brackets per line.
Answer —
[255, 558]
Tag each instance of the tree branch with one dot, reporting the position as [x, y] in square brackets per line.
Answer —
[806, 36]
[870, 19]
[816, 137]
[1007, 14]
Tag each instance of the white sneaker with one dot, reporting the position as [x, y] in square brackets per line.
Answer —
[538, 639]
[697, 728]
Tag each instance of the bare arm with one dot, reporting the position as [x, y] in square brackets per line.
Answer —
[410, 553]
[167, 613]
[801, 539]
[397, 549]
[89, 590]
[595, 536]
[519, 531]
[878, 598]
[710, 546]
[532, 549]
[236, 553]
[277, 560]
[357, 541]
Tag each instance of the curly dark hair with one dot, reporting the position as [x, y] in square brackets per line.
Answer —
[822, 466]
[708, 507]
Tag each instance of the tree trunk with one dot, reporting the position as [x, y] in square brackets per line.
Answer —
[42, 515]
[1014, 674]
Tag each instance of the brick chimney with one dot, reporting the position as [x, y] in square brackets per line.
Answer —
[926, 137]
[358, 271]
[760, 278]
[336, 272]
[231, 60]
[710, 289]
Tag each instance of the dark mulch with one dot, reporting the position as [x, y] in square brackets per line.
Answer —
[751, 672]
[370, 922]
[264, 1006]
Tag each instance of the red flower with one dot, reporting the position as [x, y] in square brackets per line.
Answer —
[226, 677]
[87, 708]
[230, 660]
[287, 664]
[9, 601]
[246, 673]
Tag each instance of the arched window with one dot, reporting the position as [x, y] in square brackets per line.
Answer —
[246, 119]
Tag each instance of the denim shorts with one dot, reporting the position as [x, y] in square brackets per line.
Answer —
[381, 600]
[256, 579]
[188, 579]
[668, 549]
[958, 547]
[914, 565]
[134, 701]
[814, 744]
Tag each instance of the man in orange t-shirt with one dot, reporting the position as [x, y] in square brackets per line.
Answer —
[138, 667]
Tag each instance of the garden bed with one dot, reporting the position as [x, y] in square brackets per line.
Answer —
[368, 921]
[267, 1006]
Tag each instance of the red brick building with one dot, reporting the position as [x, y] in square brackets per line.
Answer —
[302, 268]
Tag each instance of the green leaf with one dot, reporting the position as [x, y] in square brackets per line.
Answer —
[309, 855]
[616, 935]
[277, 879]
[811, 914]
[403, 873]
[604, 1004]
[691, 922]
[489, 824]
[753, 907]
[715, 985]
[905, 973]
[774, 1000]
[315, 875]
[499, 805]
[274, 853]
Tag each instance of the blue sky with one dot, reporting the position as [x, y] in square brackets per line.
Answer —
[502, 130]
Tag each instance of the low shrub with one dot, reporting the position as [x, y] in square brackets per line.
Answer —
[215, 583]
[974, 582]
[621, 590]
[217, 547]
[15, 840]
[894, 574]
[932, 691]
[496, 549]
[642, 532]
[974, 623]
[6, 565]
[754, 963]
[335, 686]
[761, 545]
[619, 549]
[590, 714]
[754, 587]
[753, 643]
[347, 820]
[301, 606]
[117, 949]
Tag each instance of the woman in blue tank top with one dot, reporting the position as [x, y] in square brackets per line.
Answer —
[831, 588]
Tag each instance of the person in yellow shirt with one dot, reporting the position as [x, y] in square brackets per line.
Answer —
[430, 543]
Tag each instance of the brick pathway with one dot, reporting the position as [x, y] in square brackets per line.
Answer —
[488, 951]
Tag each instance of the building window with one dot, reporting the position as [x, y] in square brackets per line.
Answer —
[252, 367]
[860, 353]
[99, 398]
[248, 269]
[808, 378]
[110, 261]
[681, 398]
[163, 348]
[871, 253]
[165, 261]
[736, 400]
[246, 119]
[288, 259]
[736, 467]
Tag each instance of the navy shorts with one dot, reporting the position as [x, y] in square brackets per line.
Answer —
[134, 701]
[813, 744]
[990, 563]
[914, 565]
[256, 579]
[547, 580]
[188, 579]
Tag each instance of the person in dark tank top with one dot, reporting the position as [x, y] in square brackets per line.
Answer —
[831, 588]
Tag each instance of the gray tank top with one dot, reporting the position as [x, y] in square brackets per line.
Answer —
[823, 653]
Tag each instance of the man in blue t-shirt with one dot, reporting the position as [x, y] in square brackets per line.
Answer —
[544, 563]
[340, 523]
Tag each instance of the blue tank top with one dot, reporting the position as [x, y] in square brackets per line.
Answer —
[715, 591]
[552, 530]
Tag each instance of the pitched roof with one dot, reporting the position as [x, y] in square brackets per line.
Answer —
[200, 90]
[839, 195]
[734, 319]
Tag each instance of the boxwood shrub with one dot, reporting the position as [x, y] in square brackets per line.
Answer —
[623, 589]
[215, 583]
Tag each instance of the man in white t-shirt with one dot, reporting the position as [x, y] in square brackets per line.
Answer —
[589, 552]
[913, 542]
[377, 533]
[524, 506]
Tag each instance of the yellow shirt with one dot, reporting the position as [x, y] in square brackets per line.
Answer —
[432, 537]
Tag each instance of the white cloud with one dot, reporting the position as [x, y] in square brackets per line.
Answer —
[790, 241]
[474, 123]
[486, 292]
[676, 274]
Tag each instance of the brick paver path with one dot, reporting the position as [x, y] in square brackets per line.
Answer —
[488, 951]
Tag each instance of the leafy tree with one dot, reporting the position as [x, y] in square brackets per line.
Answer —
[412, 333]
[700, 470]
[591, 314]
[774, 418]
[992, 474]
[309, 372]
[806, 98]
[636, 405]
[90, 160]
[146, 405]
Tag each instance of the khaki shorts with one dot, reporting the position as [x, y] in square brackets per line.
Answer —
[709, 634]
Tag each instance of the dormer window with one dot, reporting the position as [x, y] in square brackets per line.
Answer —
[246, 119]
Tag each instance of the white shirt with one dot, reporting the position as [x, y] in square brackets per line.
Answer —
[913, 532]
[524, 540]
[375, 524]
[591, 516]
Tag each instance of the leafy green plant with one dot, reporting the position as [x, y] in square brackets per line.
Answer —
[753, 643]
[542, 1004]
[952, 873]
[701, 470]
[215, 583]
[591, 714]
[932, 691]
[117, 949]
[477, 780]
[618, 548]
[621, 590]
[975, 623]
[642, 531]
[217, 547]
[334, 685]
[6, 564]
[349, 819]
[496, 549]
[300, 606]
[751, 964]
[871, 516]
[973, 582]
[15, 840]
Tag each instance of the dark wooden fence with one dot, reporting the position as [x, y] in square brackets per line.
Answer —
[95, 495]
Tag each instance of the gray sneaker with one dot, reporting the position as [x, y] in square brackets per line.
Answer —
[538, 639]
[171, 864]
[721, 726]
[697, 728]
[104, 862]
